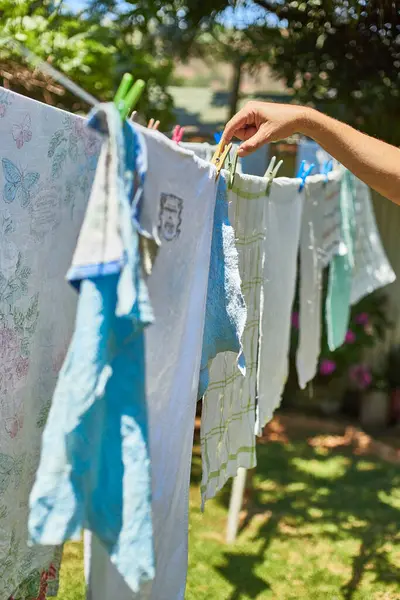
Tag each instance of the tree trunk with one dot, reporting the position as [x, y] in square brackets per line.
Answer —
[235, 91]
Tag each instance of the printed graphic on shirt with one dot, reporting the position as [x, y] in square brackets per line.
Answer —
[170, 222]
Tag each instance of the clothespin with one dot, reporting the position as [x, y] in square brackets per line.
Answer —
[327, 168]
[304, 171]
[177, 134]
[128, 94]
[271, 173]
[133, 115]
[152, 124]
[232, 169]
[220, 156]
[218, 136]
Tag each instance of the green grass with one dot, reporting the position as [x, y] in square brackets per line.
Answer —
[322, 525]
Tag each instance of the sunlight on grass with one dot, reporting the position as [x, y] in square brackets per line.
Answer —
[332, 468]
[318, 528]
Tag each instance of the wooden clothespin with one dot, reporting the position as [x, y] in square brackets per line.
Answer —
[271, 173]
[220, 156]
[304, 171]
[152, 124]
[128, 94]
[177, 134]
[232, 170]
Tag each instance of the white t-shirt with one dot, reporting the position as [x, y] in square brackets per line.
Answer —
[178, 207]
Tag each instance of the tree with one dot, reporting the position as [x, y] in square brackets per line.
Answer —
[343, 56]
[340, 55]
[94, 52]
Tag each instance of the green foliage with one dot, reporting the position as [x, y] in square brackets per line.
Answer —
[92, 49]
[344, 57]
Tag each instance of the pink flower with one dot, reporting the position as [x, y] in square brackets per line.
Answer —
[361, 376]
[295, 320]
[22, 367]
[362, 319]
[13, 367]
[327, 367]
[350, 337]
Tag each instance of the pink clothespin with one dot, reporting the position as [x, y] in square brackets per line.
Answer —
[177, 134]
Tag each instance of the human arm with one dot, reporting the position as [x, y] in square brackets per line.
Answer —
[373, 161]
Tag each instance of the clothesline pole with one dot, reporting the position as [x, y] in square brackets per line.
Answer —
[235, 505]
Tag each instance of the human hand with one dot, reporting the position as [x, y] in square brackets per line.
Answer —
[259, 123]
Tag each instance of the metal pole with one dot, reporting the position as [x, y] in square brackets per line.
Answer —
[235, 505]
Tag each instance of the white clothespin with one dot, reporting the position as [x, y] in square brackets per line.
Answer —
[271, 173]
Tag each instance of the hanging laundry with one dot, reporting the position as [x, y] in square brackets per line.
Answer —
[47, 167]
[95, 465]
[203, 150]
[225, 307]
[312, 153]
[372, 270]
[228, 417]
[178, 207]
[320, 237]
[341, 270]
[282, 225]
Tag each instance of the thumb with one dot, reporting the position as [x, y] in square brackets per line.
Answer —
[253, 143]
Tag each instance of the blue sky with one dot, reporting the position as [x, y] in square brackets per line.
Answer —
[239, 17]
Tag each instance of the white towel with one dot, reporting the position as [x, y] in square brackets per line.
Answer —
[282, 225]
[228, 418]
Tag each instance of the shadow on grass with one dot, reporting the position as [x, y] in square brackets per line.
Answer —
[344, 495]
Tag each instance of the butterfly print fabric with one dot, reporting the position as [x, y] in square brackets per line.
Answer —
[47, 163]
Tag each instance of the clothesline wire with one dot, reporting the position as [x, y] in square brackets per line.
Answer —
[47, 69]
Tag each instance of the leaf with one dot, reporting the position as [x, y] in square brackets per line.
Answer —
[25, 273]
[12, 291]
[42, 416]
[19, 263]
[19, 319]
[58, 163]
[25, 348]
[73, 147]
[33, 310]
[56, 139]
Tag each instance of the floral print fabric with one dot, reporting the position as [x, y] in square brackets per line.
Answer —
[47, 163]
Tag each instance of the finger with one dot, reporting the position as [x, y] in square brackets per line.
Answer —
[245, 133]
[238, 122]
[253, 143]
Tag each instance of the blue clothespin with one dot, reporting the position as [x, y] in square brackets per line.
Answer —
[304, 171]
[327, 168]
[218, 136]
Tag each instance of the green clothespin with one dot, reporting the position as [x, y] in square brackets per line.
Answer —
[128, 95]
[232, 170]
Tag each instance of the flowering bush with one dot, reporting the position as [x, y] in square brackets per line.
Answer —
[368, 325]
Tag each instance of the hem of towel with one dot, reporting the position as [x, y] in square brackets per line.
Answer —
[267, 416]
[357, 295]
[77, 273]
[243, 460]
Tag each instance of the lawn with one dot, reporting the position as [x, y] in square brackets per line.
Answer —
[322, 524]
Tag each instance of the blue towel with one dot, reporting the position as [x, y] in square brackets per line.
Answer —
[338, 302]
[226, 312]
[94, 471]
